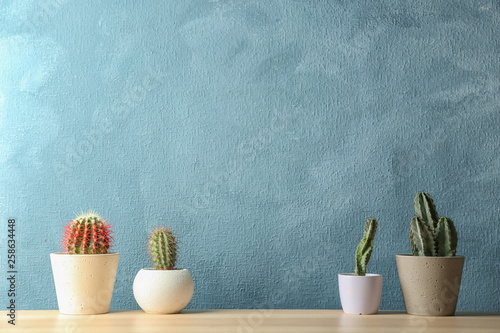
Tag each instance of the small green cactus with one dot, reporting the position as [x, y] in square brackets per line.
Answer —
[163, 248]
[88, 233]
[429, 234]
[365, 247]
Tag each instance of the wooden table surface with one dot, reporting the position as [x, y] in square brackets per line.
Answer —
[248, 321]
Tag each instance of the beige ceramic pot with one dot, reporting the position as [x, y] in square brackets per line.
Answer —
[84, 282]
[430, 285]
[163, 291]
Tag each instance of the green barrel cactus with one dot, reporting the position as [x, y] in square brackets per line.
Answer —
[163, 248]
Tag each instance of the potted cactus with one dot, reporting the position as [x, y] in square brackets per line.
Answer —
[360, 292]
[84, 274]
[430, 277]
[163, 289]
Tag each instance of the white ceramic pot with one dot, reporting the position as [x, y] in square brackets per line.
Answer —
[360, 294]
[84, 282]
[163, 291]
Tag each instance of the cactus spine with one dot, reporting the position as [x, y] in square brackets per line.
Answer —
[365, 247]
[429, 234]
[163, 248]
[88, 233]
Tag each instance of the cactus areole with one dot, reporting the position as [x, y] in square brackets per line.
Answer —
[431, 235]
[88, 233]
[163, 248]
[365, 247]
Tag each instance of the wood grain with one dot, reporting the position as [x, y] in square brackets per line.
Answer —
[249, 321]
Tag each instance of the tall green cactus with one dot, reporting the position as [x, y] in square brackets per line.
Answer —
[365, 247]
[163, 248]
[429, 234]
[426, 210]
[88, 233]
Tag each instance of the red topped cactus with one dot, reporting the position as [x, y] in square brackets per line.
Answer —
[88, 233]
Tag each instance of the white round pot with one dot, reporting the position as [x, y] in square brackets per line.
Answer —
[360, 294]
[84, 282]
[163, 291]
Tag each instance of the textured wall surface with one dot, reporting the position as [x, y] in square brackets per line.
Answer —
[264, 133]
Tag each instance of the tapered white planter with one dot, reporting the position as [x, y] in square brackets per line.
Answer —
[360, 294]
[163, 291]
[84, 282]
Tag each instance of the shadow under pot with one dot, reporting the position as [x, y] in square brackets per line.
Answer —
[430, 285]
[163, 291]
[84, 282]
[360, 294]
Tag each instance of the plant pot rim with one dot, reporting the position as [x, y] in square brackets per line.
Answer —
[85, 255]
[164, 270]
[428, 257]
[353, 275]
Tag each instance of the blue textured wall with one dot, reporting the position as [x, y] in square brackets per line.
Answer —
[263, 132]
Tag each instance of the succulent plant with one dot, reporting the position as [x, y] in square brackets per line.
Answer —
[88, 233]
[429, 234]
[163, 248]
[365, 247]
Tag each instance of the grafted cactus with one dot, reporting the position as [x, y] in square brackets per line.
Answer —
[88, 233]
[429, 234]
[163, 248]
[365, 247]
